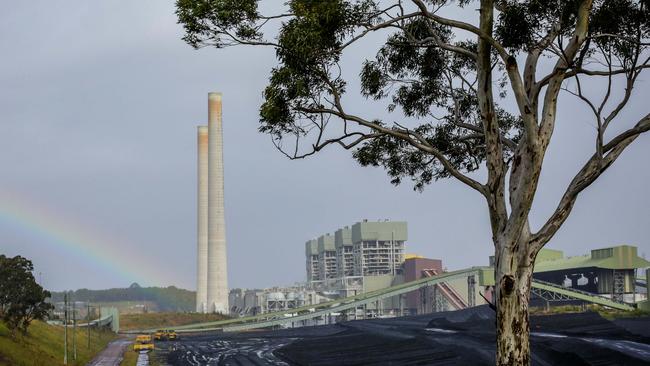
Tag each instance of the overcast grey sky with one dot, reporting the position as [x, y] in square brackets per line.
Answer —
[98, 106]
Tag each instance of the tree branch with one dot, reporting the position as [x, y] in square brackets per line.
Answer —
[592, 169]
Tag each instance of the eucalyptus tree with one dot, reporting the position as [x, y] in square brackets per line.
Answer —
[463, 93]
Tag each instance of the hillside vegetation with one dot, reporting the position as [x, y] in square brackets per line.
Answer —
[43, 345]
[167, 320]
[163, 298]
[607, 313]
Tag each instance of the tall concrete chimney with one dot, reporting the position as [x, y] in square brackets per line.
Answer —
[217, 269]
[202, 221]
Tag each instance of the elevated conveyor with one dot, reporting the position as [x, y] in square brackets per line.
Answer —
[554, 292]
[352, 302]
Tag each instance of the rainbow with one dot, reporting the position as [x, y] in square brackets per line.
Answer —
[67, 233]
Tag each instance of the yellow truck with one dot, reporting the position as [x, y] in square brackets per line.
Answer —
[160, 335]
[165, 334]
[171, 335]
[143, 342]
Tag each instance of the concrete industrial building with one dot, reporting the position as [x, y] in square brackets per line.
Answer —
[327, 260]
[377, 261]
[369, 256]
[312, 263]
[344, 252]
[378, 247]
[212, 272]
[365, 249]
[609, 272]
[245, 302]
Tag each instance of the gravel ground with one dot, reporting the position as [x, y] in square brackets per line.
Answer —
[452, 338]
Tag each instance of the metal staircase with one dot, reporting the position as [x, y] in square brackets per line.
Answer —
[452, 296]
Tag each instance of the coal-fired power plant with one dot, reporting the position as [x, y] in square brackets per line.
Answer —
[212, 271]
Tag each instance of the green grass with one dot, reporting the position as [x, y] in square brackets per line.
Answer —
[164, 320]
[43, 345]
[130, 357]
[609, 314]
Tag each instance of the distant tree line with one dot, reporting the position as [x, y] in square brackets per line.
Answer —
[22, 300]
[166, 298]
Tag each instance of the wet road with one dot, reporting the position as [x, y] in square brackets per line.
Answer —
[112, 355]
[252, 351]
[454, 338]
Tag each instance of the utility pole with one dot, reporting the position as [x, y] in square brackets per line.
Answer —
[88, 321]
[65, 328]
[74, 330]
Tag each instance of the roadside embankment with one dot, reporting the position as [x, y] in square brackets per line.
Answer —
[43, 345]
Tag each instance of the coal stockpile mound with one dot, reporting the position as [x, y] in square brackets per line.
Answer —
[578, 324]
[638, 326]
[360, 348]
[467, 337]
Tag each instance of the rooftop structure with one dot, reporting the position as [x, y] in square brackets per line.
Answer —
[328, 266]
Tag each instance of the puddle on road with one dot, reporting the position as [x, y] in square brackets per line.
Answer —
[438, 330]
[143, 359]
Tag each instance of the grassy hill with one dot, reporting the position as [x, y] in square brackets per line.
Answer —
[43, 346]
[169, 320]
[156, 298]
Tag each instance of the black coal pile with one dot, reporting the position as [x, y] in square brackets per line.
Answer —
[467, 338]
[464, 337]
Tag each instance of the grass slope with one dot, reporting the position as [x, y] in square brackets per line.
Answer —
[168, 320]
[43, 345]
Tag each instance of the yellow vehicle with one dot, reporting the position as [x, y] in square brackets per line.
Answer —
[171, 335]
[160, 335]
[143, 342]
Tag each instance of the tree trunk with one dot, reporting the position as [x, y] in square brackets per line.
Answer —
[512, 296]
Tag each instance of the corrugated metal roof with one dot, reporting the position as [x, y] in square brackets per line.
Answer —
[311, 247]
[343, 237]
[619, 257]
[326, 243]
[379, 230]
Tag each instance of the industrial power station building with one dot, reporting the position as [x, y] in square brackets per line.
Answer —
[365, 249]
[609, 272]
[370, 256]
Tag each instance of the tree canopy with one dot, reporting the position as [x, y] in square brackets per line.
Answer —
[22, 300]
[427, 70]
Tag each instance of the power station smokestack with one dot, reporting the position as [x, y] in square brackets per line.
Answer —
[202, 221]
[217, 270]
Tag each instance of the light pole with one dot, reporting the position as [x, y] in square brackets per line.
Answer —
[88, 321]
[74, 330]
[65, 328]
